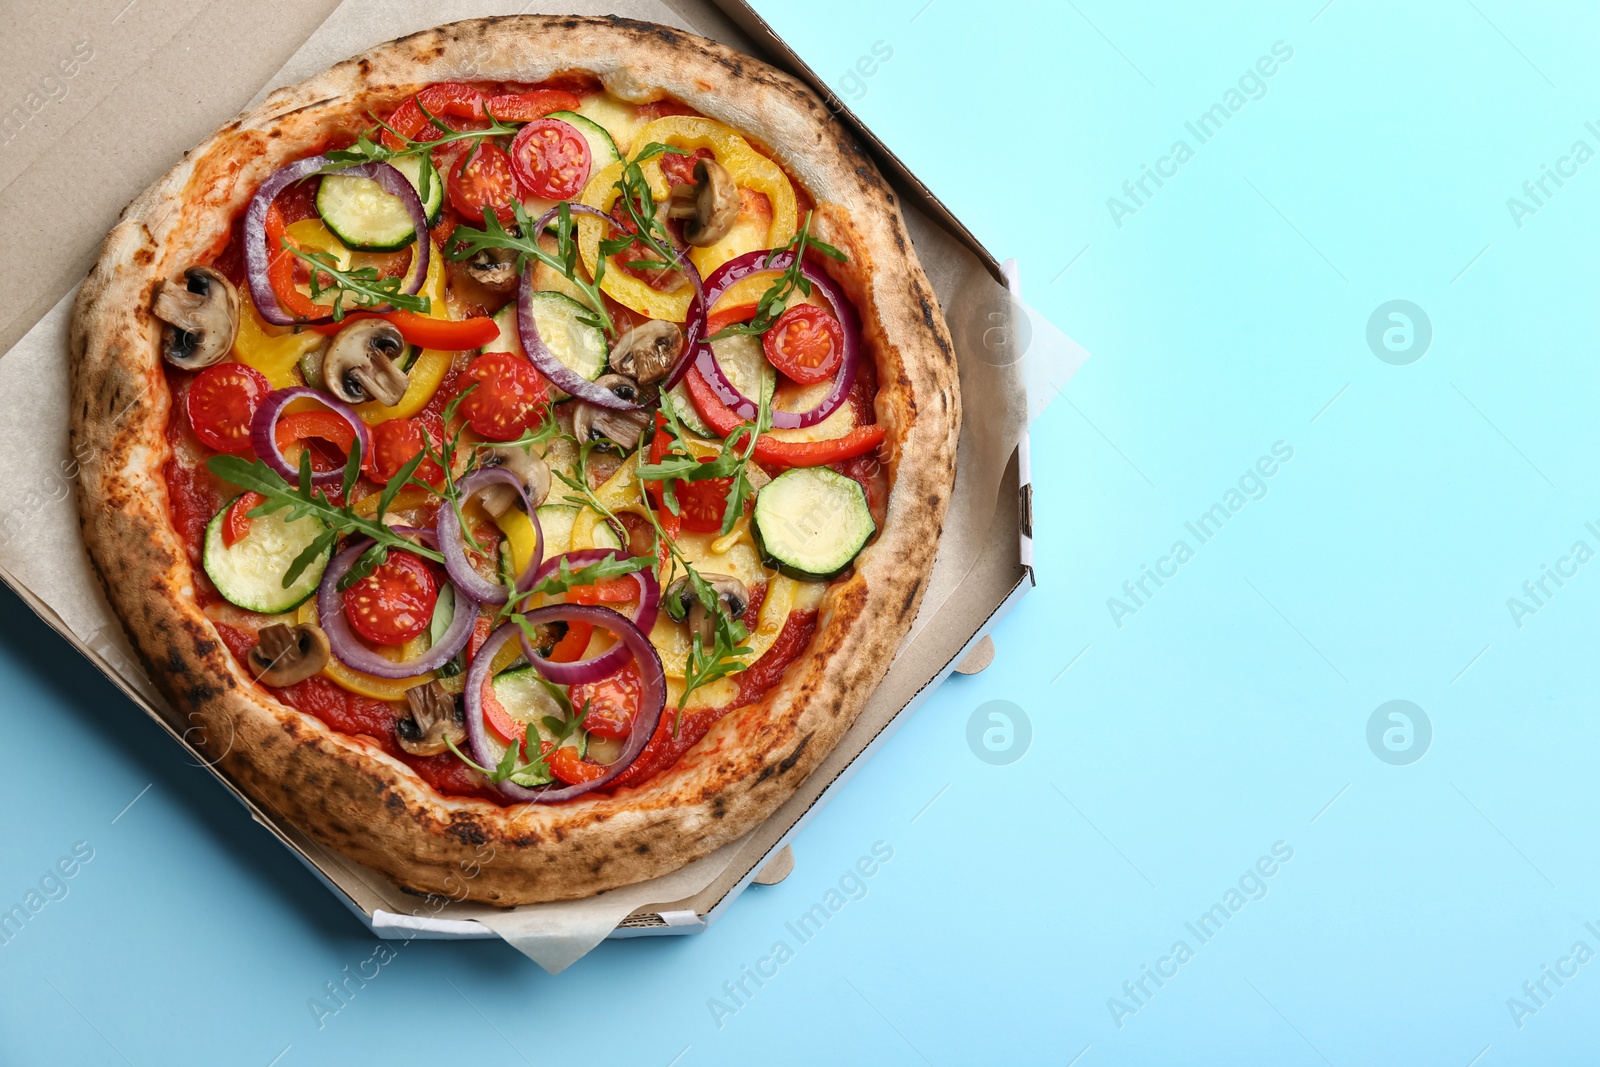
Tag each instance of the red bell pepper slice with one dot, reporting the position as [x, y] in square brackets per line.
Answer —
[769, 449]
[237, 525]
[444, 334]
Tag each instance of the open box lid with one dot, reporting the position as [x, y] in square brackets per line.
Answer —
[983, 552]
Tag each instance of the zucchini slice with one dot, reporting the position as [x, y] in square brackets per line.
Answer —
[524, 697]
[363, 216]
[562, 329]
[810, 522]
[250, 573]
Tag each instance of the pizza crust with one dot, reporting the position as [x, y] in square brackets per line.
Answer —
[349, 795]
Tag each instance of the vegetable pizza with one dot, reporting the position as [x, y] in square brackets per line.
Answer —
[529, 438]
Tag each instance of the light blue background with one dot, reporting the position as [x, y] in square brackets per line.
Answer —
[1229, 713]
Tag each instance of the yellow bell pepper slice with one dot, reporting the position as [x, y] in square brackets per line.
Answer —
[745, 165]
[623, 491]
[672, 638]
[368, 685]
[519, 532]
[275, 351]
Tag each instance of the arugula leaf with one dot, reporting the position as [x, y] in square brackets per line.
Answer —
[360, 285]
[466, 242]
[352, 468]
[368, 150]
[305, 499]
[771, 304]
[565, 578]
[392, 488]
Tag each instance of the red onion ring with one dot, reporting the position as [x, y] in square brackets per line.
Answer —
[348, 648]
[611, 660]
[652, 698]
[256, 254]
[564, 377]
[758, 262]
[264, 432]
[448, 529]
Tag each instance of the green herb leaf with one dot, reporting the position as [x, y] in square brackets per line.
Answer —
[361, 286]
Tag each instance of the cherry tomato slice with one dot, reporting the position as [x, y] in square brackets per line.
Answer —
[806, 344]
[221, 402]
[550, 159]
[395, 442]
[482, 178]
[510, 395]
[700, 504]
[395, 602]
[612, 701]
[237, 524]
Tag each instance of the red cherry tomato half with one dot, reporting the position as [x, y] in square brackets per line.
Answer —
[509, 397]
[482, 178]
[612, 702]
[394, 603]
[700, 504]
[806, 344]
[396, 442]
[551, 159]
[222, 400]
[236, 525]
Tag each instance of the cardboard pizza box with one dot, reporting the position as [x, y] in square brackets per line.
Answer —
[107, 94]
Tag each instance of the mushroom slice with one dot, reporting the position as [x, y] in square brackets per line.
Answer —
[733, 599]
[624, 428]
[646, 353]
[497, 499]
[493, 268]
[285, 655]
[202, 318]
[362, 363]
[709, 207]
[435, 716]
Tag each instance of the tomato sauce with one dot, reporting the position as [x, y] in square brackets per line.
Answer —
[676, 735]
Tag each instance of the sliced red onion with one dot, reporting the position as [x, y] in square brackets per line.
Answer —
[347, 647]
[564, 377]
[257, 255]
[611, 660]
[264, 432]
[455, 552]
[652, 697]
[758, 262]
